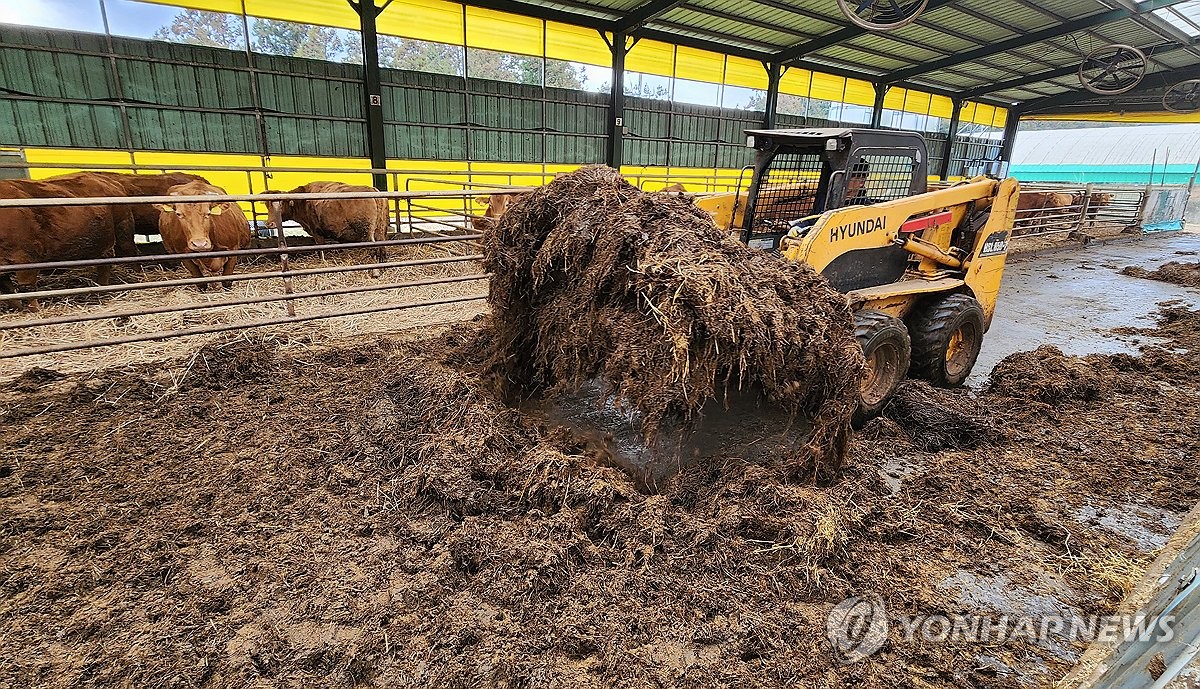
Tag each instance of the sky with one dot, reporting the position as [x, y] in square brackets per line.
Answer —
[126, 17]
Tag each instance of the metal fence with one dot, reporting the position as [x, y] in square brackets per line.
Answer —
[434, 251]
[1046, 209]
[431, 259]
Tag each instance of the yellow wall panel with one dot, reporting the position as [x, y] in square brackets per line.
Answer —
[231, 181]
[894, 99]
[967, 114]
[651, 57]
[1001, 117]
[232, 6]
[426, 20]
[84, 158]
[323, 12]
[827, 87]
[510, 33]
[916, 101]
[748, 73]
[860, 92]
[283, 181]
[699, 65]
[796, 82]
[941, 106]
[576, 44]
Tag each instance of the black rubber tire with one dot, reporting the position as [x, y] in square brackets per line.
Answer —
[885, 344]
[938, 356]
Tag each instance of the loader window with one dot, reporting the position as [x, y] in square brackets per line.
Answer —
[788, 191]
[876, 178]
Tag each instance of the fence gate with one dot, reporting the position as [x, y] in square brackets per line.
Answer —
[1164, 208]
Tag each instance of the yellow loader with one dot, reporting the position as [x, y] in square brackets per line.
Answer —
[921, 269]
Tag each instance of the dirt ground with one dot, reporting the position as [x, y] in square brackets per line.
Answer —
[369, 515]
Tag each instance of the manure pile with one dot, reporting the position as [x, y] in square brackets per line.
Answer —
[595, 279]
[374, 516]
[1174, 272]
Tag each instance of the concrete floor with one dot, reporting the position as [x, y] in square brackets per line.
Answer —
[1073, 297]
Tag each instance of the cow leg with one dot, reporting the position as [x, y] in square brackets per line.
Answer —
[230, 264]
[104, 274]
[193, 269]
[7, 287]
[380, 253]
[319, 242]
[27, 281]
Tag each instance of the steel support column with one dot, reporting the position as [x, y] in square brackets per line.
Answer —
[771, 114]
[616, 102]
[881, 90]
[951, 139]
[1010, 135]
[367, 13]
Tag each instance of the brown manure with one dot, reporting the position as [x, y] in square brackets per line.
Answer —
[1174, 272]
[1046, 375]
[595, 279]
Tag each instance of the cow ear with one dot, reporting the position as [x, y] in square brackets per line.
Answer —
[165, 207]
[483, 200]
[216, 210]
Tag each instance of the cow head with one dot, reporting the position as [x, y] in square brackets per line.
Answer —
[285, 206]
[496, 203]
[196, 218]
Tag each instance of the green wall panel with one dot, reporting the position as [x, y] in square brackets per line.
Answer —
[295, 136]
[180, 130]
[70, 125]
[406, 141]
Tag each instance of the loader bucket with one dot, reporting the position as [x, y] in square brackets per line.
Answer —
[743, 427]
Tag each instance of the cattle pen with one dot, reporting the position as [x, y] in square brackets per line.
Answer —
[434, 249]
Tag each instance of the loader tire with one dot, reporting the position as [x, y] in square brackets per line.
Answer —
[946, 336]
[886, 347]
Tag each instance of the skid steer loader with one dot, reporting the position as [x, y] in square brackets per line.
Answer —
[920, 268]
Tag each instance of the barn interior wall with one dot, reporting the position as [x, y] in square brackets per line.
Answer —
[166, 102]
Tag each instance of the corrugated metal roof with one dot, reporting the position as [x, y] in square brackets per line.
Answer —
[926, 52]
[1135, 145]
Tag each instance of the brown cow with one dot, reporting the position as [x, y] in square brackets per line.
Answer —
[93, 184]
[145, 215]
[51, 233]
[675, 188]
[1034, 205]
[496, 205]
[202, 227]
[1098, 200]
[339, 221]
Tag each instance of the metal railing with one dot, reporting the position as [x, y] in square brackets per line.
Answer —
[1062, 208]
[415, 247]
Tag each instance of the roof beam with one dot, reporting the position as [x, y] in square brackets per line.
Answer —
[1022, 40]
[791, 54]
[1153, 82]
[644, 13]
[1058, 73]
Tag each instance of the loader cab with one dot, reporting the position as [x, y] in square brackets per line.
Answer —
[800, 173]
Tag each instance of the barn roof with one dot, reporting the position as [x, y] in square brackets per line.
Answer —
[1004, 52]
[1021, 54]
[1112, 146]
